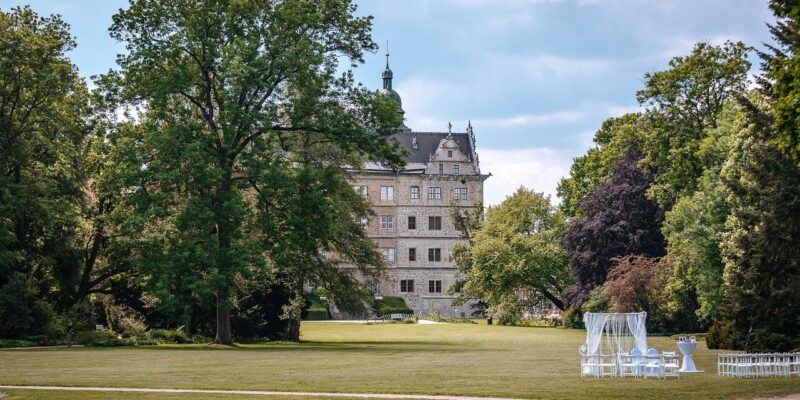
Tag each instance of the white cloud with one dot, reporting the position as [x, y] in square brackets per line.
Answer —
[530, 119]
[539, 169]
[420, 96]
[546, 67]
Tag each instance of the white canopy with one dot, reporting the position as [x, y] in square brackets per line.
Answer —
[623, 332]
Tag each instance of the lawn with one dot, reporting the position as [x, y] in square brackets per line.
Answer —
[455, 359]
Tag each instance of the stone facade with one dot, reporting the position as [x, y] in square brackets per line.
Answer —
[442, 167]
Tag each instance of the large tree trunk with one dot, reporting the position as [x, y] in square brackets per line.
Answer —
[224, 232]
[294, 330]
[223, 318]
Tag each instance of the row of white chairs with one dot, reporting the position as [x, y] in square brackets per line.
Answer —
[634, 364]
[758, 365]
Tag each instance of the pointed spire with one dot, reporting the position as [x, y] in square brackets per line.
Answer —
[387, 73]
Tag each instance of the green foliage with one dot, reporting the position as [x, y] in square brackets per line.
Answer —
[160, 336]
[22, 310]
[599, 301]
[781, 74]
[246, 130]
[516, 252]
[6, 343]
[762, 273]
[316, 314]
[392, 305]
[572, 318]
[615, 138]
[683, 103]
[722, 335]
[43, 127]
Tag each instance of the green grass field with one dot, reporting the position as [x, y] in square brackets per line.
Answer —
[455, 359]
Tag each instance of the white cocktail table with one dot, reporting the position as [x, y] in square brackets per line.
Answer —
[687, 348]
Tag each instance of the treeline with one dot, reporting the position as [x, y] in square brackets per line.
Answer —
[689, 210]
[197, 186]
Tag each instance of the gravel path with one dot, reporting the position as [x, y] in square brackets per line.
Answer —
[256, 392]
[299, 394]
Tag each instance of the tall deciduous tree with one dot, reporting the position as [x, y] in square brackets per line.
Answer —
[467, 221]
[43, 110]
[515, 254]
[615, 138]
[683, 102]
[695, 225]
[781, 75]
[234, 92]
[618, 220]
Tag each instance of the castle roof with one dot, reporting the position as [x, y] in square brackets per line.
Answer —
[428, 142]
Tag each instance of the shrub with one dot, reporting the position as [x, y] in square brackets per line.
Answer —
[392, 305]
[170, 336]
[316, 314]
[22, 311]
[16, 343]
[572, 318]
[123, 319]
[721, 335]
[105, 338]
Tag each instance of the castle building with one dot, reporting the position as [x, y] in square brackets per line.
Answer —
[412, 225]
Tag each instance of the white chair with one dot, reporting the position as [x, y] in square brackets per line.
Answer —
[794, 364]
[781, 365]
[608, 365]
[628, 365]
[598, 366]
[671, 364]
[652, 366]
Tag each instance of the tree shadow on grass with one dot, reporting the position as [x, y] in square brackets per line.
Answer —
[371, 346]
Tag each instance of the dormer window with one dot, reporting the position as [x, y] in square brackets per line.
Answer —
[441, 169]
[449, 153]
[414, 144]
[456, 169]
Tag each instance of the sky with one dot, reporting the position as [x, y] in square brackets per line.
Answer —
[535, 77]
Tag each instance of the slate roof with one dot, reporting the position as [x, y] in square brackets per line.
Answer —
[428, 142]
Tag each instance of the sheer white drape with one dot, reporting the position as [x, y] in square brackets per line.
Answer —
[594, 323]
[636, 324]
[623, 332]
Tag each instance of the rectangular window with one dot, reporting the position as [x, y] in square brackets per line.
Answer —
[412, 222]
[415, 192]
[407, 286]
[449, 153]
[434, 255]
[434, 223]
[461, 193]
[434, 193]
[362, 190]
[456, 169]
[388, 254]
[412, 254]
[387, 222]
[387, 193]
[441, 169]
[434, 286]
[361, 221]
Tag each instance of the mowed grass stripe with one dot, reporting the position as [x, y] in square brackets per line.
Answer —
[452, 359]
